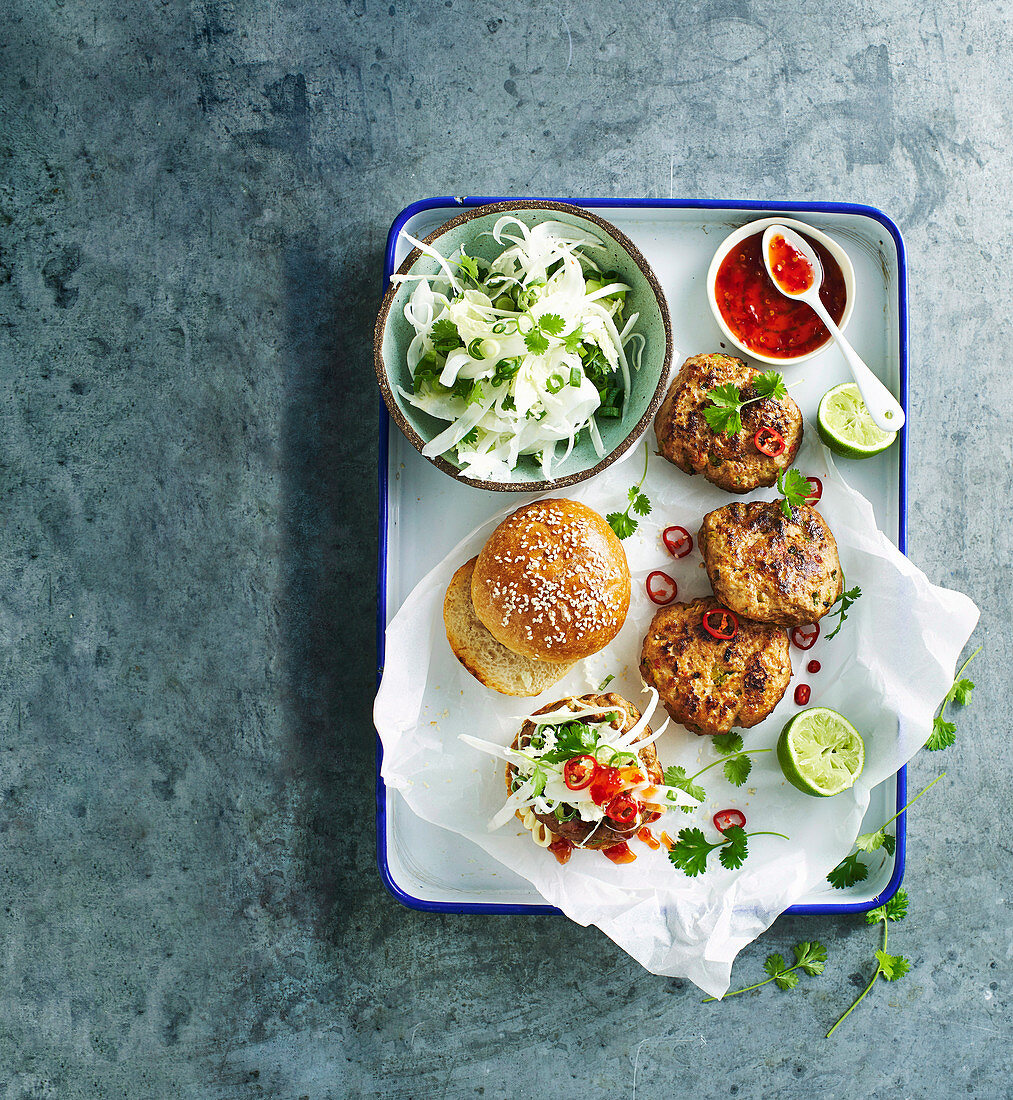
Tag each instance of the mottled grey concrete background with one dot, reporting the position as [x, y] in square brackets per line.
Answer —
[193, 201]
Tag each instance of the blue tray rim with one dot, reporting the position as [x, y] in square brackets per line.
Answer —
[772, 207]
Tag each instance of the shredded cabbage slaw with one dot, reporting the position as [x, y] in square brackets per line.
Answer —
[520, 354]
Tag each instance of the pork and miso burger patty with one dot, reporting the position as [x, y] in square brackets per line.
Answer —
[764, 566]
[732, 462]
[715, 675]
[583, 772]
[552, 582]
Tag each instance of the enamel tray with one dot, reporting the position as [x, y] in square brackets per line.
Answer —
[424, 513]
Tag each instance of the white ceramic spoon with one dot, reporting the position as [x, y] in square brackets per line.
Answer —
[882, 405]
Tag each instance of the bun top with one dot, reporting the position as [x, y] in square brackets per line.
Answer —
[552, 582]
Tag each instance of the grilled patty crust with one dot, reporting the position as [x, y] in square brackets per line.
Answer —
[711, 686]
[732, 462]
[579, 832]
[770, 568]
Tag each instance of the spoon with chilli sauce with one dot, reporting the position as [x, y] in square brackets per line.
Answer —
[796, 271]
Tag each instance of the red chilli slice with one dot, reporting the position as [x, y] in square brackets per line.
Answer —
[622, 809]
[661, 588]
[678, 541]
[579, 772]
[769, 442]
[817, 491]
[725, 819]
[804, 637]
[727, 624]
[802, 695]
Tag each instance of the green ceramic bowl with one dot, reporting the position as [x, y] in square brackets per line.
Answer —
[393, 334]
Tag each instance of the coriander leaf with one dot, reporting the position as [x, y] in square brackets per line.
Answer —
[775, 965]
[810, 958]
[794, 488]
[848, 872]
[890, 844]
[733, 853]
[737, 769]
[572, 739]
[870, 842]
[536, 343]
[724, 412]
[892, 967]
[960, 693]
[622, 524]
[846, 599]
[787, 980]
[551, 323]
[573, 340]
[675, 776]
[470, 439]
[723, 420]
[690, 852]
[943, 735]
[475, 394]
[894, 909]
[727, 742]
[468, 266]
[770, 384]
[726, 396]
[445, 336]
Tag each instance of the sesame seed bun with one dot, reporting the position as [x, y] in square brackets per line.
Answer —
[552, 582]
[489, 661]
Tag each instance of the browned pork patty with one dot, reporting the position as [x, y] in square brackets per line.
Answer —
[711, 686]
[770, 568]
[731, 462]
[608, 832]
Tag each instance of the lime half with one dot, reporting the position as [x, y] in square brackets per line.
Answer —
[820, 752]
[846, 427]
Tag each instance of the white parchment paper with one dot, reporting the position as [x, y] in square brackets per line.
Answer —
[886, 671]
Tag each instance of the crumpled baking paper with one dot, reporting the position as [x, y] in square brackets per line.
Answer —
[886, 671]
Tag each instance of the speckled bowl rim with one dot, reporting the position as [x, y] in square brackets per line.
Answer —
[835, 249]
[524, 486]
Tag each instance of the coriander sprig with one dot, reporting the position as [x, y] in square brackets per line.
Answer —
[737, 767]
[622, 522]
[843, 604]
[549, 324]
[690, 851]
[444, 336]
[891, 967]
[810, 958]
[468, 265]
[945, 733]
[724, 412]
[852, 869]
[794, 487]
